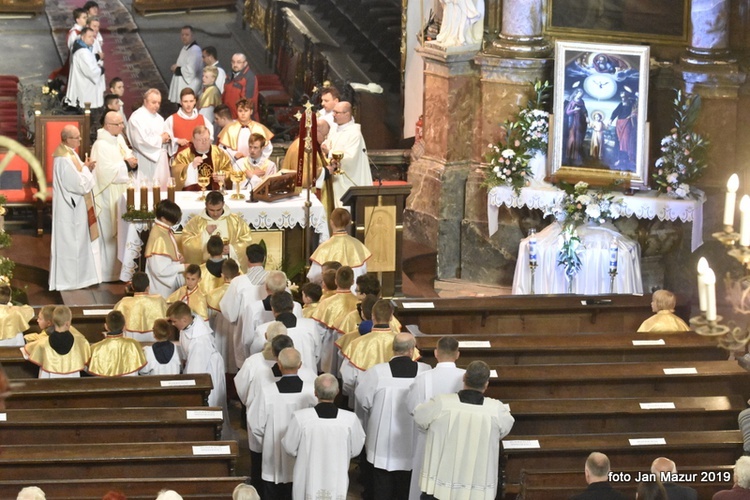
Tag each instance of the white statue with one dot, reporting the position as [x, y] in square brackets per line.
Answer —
[463, 23]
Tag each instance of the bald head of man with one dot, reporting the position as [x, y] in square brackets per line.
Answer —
[70, 136]
[597, 468]
[322, 130]
[404, 344]
[342, 113]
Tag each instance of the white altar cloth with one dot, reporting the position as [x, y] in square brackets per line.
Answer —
[642, 205]
[593, 277]
[282, 214]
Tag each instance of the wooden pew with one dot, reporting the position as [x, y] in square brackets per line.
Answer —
[560, 314]
[511, 349]
[118, 460]
[617, 380]
[105, 425]
[592, 416]
[116, 392]
[562, 484]
[563, 452]
[133, 488]
[15, 365]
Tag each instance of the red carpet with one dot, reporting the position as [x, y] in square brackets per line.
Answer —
[125, 54]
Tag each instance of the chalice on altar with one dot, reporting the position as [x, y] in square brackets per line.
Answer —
[204, 179]
[220, 178]
[336, 157]
[237, 177]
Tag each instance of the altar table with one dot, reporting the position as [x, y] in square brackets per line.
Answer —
[642, 205]
[593, 277]
[283, 214]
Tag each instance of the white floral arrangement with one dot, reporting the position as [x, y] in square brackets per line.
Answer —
[508, 160]
[684, 152]
[580, 205]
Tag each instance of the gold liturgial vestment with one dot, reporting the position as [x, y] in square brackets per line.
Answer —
[219, 160]
[333, 310]
[209, 282]
[240, 237]
[33, 337]
[372, 349]
[664, 322]
[26, 311]
[341, 247]
[41, 354]
[350, 323]
[211, 96]
[116, 356]
[141, 310]
[214, 297]
[12, 322]
[309, 309]
[162, 242]
[194, 298]
[231, 133]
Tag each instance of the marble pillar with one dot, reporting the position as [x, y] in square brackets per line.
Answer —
[521, 33]
[505, 86]
[435, 208]
[708, 69]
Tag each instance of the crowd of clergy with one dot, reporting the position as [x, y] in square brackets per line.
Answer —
[321, 380]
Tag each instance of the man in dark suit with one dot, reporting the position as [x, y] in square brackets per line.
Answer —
[665, 470]
[597, 477]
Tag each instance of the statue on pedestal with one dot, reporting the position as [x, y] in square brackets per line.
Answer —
[463, 23]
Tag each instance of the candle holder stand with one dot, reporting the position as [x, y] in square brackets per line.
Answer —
[532, 267]
[612, 276]
[712, 328]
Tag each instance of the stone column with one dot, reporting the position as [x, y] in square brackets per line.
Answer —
[521, 34]
[435, 208]
[709, 32]
[505, 85]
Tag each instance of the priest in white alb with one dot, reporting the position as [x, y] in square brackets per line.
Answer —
[188, 70]
[347, 139]
[114, 160]
[74, 254]
[463, 439]
[149, 140]
[324, 439]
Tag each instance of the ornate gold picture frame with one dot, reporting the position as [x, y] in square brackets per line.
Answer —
[599, 129]
[665, 21]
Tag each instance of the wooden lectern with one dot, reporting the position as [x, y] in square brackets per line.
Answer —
[378, 216]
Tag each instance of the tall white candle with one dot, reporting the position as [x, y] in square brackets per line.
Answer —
[702, 268]
[709, 279]
[613, 250]
[730, 200]
[745, 221]
[532, 247]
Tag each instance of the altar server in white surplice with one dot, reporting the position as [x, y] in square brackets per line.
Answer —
[463, 439]
[201, 356]
[324, 439]
[303, 331]
[86, 82]
[188, 70]
[149, 140]
[381, 404]
[256, 313]
[270, 412]
[114, 159]
[74, 256]
[246, 287]
[445, 378]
